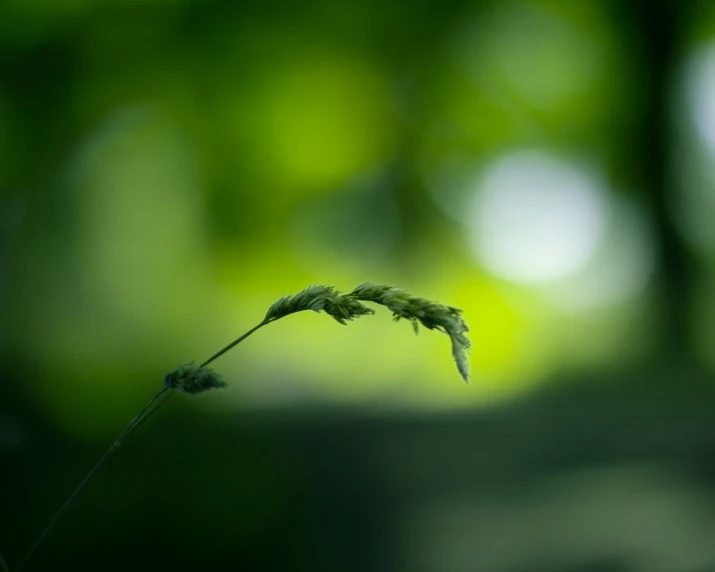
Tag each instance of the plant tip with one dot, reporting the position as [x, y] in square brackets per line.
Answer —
[432, 315]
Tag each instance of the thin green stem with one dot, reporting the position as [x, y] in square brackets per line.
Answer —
[147, 415]
[235, 342]
[3, 564]
[142, 416]
[133, 424]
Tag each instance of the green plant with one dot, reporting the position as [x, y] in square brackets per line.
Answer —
[193, 379]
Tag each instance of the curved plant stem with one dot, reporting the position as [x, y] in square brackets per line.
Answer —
[235, 343]
[144, 414]
[342, 308]
[133, 424]
[3, 564]
[149, 412]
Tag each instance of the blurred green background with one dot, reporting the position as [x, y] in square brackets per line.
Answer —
[170, 168]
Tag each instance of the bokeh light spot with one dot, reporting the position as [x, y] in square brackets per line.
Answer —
[536, 218]
[700, 92]
[620, 269]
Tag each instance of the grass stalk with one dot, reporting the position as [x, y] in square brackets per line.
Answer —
[343, 308]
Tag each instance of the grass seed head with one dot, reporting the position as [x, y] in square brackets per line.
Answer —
[190, 378]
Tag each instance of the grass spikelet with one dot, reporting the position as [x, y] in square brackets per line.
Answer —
[318, 297]
[431, 315]
[192, 379]
[311, 298]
